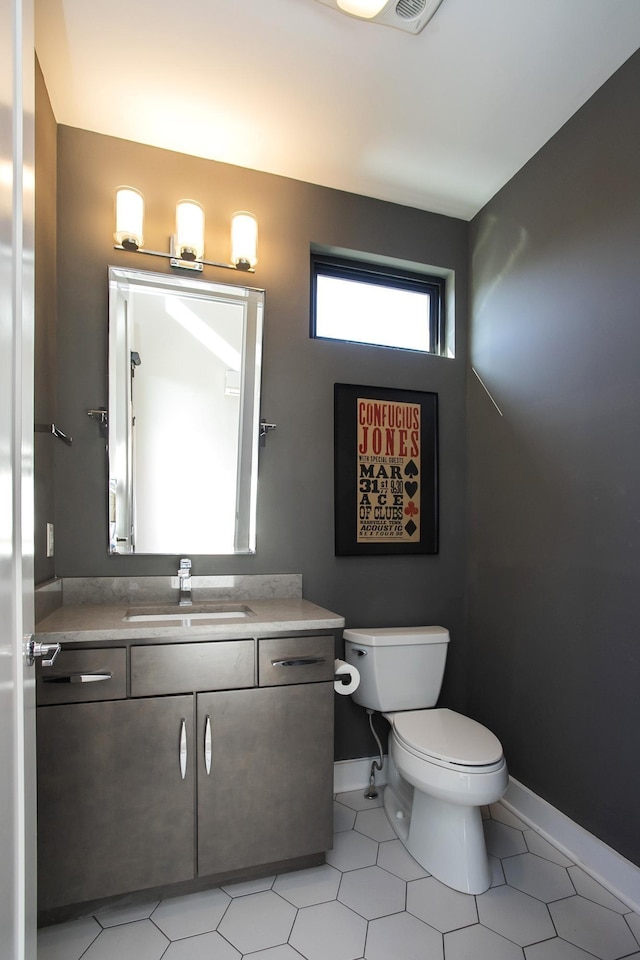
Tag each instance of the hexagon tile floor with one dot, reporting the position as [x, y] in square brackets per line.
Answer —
[371, 900]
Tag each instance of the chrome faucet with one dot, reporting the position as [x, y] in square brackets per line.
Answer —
[184, 577]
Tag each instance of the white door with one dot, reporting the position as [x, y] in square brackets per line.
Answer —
[17, 708]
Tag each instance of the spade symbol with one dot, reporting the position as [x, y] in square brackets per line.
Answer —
[411, 470]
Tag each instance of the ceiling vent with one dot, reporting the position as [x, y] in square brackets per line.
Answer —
[408, 15]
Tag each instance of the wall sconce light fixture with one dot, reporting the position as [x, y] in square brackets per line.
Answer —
[129, 218]
[189, 237]
[187, 243]
[244, 240]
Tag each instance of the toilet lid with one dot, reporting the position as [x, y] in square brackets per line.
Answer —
[447, 736]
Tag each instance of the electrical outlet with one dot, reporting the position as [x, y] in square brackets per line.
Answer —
[49, 539]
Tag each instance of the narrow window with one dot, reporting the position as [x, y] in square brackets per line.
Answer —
[381, 306]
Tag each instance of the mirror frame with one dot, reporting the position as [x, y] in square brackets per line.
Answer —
[120, 511]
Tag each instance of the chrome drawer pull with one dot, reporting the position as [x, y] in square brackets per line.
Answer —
[78, 678]
[183, 748]
[299, 662]
[207, 745]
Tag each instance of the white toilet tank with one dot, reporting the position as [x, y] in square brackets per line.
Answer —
[401, 668]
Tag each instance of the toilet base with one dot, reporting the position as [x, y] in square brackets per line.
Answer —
[446, 839]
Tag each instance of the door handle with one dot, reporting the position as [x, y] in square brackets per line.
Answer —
[33, 649]
[183, 748]
[207, 745]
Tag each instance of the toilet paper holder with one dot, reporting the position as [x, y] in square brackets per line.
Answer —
[344, 678]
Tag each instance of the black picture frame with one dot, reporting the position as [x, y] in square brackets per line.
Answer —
[385, 471]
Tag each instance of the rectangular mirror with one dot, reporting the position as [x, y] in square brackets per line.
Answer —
[184, 408]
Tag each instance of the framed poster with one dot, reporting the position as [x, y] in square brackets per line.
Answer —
[385, 471]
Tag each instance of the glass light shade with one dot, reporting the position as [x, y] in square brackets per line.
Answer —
[189, 230]
[244, 240]
[129, 217]
[362, 8]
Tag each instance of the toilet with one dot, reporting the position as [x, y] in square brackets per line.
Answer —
[443, 767]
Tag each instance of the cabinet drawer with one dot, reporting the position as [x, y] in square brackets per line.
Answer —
[186, 667]
[80, 676]
[285, 660]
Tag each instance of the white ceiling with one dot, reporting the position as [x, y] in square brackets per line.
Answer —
[438, 121]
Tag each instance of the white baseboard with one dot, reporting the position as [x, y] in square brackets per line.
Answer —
[613, 871]
[603, 863]
[354, 774]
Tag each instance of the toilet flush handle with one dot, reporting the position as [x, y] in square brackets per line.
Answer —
[359, 652]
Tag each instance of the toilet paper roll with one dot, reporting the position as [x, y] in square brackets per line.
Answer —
[345, 669]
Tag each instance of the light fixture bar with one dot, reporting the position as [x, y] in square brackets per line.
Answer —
[185, 259]
[189, 265]
[186, 245]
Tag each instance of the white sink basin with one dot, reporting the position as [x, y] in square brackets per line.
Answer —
[197, 611]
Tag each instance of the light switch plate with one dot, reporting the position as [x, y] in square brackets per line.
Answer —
[49, 539]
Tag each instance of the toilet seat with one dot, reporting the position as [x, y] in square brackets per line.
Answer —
[447, 739]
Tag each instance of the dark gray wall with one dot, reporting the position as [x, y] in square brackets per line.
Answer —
[554, 661]
[295, 509]
[45, 324]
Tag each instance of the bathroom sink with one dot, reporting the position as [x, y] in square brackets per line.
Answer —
[197, 611]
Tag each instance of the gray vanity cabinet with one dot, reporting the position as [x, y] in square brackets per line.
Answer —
[145, 748]
[267, 795]
[114, 812]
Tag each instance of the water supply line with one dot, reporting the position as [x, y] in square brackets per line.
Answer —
[371, 792]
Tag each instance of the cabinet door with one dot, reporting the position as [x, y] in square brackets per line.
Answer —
[268, 796]
[114, 812]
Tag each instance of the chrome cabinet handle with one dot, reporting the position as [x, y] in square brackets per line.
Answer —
[207, 745]
[299, 662]
[78, 678]
[183, 748]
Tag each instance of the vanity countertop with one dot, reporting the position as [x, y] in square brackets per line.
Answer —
[104, 622]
